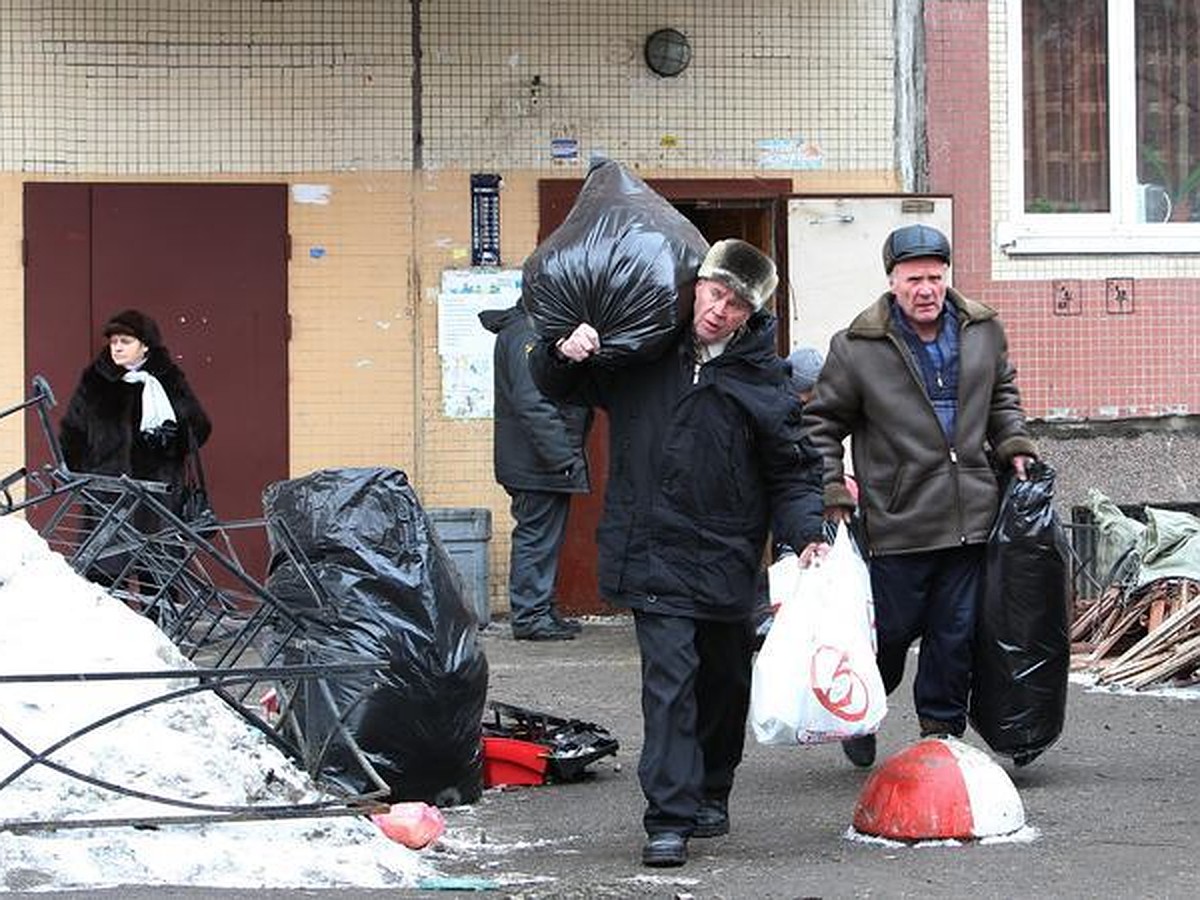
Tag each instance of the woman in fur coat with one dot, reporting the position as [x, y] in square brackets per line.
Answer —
[133, 412]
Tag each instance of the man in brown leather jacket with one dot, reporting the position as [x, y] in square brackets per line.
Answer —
[920, 382]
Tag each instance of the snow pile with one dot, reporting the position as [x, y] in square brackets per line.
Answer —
[192, 748]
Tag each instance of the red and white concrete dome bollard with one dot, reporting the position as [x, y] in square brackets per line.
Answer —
[939, 789]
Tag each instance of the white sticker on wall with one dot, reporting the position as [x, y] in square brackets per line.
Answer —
[311, 193]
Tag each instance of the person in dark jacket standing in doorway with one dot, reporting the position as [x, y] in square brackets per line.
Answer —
[921, 383]
[706, 450]
[539, 459]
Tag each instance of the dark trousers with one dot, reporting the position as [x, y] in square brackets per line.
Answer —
[932, 596]
[537, 537]
[695, 698]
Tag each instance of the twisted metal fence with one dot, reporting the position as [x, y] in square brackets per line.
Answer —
[244, 646]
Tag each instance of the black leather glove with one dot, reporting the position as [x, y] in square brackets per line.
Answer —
[164, 437]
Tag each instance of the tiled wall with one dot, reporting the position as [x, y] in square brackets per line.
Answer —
[320, 92]
[12, 338]
[508, 78]
[355, 382]
[153, 86]
[1094, 359]
[146, 87]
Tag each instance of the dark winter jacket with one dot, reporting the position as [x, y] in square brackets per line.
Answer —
[918, 490]
[539, 444]
[100, 431]
[696, 471]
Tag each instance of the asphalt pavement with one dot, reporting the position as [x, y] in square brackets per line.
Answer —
[1113, 808]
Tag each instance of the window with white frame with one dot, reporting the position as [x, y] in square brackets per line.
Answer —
[1105, 111]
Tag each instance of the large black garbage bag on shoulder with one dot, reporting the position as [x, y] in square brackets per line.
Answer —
[1022, 647]
[392, 593]
[624, 260]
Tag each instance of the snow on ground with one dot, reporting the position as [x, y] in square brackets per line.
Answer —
[194, 748]
[1088, 680]
[1026, 834]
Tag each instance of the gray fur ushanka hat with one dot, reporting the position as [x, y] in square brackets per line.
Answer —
[743, 268]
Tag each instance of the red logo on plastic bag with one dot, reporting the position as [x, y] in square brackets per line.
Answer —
[842, 691]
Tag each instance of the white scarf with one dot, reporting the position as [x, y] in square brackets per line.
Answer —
[156, 405]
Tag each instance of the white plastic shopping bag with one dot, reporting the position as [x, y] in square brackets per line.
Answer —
[815, 678]
[782, 576]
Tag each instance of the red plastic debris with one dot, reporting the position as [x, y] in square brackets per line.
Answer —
[412, 824]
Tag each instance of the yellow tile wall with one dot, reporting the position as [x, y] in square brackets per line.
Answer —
[365, 377]
[315, 92]
[12, 313]
[355, 325]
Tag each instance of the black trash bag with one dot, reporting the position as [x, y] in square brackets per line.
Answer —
[1022, 647]
[393, 593]
[624, 260]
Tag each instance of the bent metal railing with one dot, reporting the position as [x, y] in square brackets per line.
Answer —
[245, 646]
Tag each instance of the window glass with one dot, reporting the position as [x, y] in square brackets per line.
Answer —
[1066, 105]
[1167, 57]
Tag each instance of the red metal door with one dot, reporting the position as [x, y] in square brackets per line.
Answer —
[209, 263]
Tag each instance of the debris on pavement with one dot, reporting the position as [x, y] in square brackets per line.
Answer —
[525, 747]
[1144, 628]
[1148, 637]
[414, 824]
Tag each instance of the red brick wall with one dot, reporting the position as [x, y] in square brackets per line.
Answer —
[1093, 365]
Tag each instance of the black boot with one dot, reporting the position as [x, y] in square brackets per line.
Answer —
[563, 622]
[547, 630]
[937, 729]
[860, 750]
[712, 819]
[665, 849]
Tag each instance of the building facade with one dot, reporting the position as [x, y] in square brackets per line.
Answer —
[412, 143]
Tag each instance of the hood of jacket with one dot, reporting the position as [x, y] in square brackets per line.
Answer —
[496, 320]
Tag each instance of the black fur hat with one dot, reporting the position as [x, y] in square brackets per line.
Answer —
[136, 324]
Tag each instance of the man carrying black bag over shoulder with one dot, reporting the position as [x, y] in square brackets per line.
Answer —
[706, 451]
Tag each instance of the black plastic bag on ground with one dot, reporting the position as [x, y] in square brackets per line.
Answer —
[624, 260]
[393, 593]
[1022, 647]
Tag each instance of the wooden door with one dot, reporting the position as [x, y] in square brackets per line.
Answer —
[209, 264]
[753, 210]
